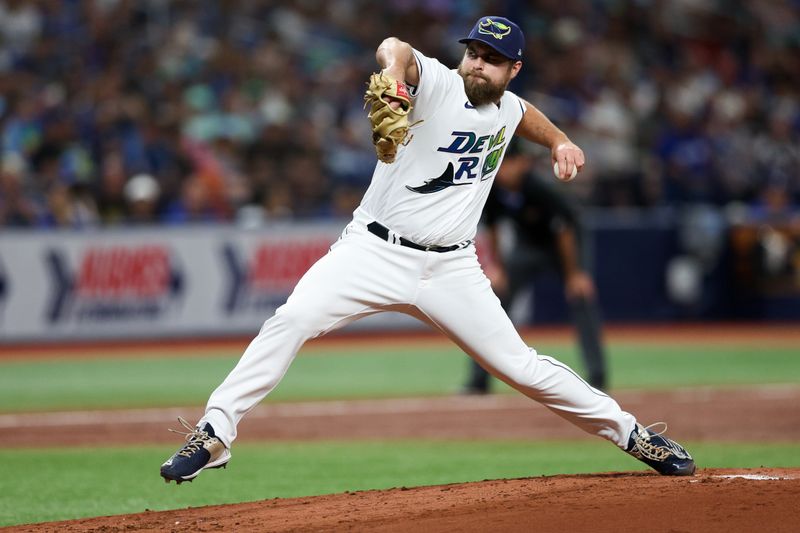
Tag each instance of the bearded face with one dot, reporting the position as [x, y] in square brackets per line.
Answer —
[479, 86]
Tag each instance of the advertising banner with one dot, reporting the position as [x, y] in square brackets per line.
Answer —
[158, 282]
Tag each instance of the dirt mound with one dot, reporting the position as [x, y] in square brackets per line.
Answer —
[712, 500]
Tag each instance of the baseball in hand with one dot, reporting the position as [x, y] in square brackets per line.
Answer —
[558, 174]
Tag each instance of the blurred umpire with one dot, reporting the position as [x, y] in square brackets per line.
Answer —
[547, 236]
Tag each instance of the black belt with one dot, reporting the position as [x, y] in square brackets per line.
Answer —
[376, 228]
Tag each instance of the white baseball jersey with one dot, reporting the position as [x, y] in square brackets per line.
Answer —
[434, 194]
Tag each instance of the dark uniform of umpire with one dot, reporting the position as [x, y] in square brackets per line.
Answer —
[548, 231]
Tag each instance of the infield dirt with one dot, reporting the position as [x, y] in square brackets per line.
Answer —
[711, 501]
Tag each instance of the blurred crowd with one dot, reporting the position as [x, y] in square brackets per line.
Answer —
[175, 111]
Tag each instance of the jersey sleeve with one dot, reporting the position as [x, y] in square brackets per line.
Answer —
[436, 83]
[516, 106]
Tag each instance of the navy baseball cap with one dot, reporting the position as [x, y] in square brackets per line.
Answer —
[499, 33]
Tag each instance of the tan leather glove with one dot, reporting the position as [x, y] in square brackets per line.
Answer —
[389, 123]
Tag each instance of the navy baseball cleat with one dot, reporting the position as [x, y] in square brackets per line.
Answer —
[664, 455]
[202, 450]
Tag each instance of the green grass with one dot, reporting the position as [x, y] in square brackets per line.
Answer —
[665, 366]
[57, 484]
[51, 484]
[133, 380]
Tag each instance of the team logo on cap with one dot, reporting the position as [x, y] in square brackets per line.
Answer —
[498, 30]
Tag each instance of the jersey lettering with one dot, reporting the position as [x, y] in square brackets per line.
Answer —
[491, 162]
[479, 144]
[498, 138]
[465, 170]
[467, 141]
[464, 140]
[471, 168]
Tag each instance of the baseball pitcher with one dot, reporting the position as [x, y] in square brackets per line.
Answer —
[440, 136]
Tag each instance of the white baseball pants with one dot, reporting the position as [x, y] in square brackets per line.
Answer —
[363, 274]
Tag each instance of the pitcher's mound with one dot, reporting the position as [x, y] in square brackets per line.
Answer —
[712, 500]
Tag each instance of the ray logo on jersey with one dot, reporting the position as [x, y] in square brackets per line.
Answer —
[469, 169]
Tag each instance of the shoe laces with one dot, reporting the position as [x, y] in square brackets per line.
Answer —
[196, 438]
[657, 451]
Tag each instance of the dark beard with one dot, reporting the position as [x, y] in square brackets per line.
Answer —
[481, 91]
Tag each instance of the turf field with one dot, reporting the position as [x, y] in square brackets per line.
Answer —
[51, 481]
[154, 377]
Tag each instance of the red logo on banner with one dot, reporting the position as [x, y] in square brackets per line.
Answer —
[116, 272]
[281, 265]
